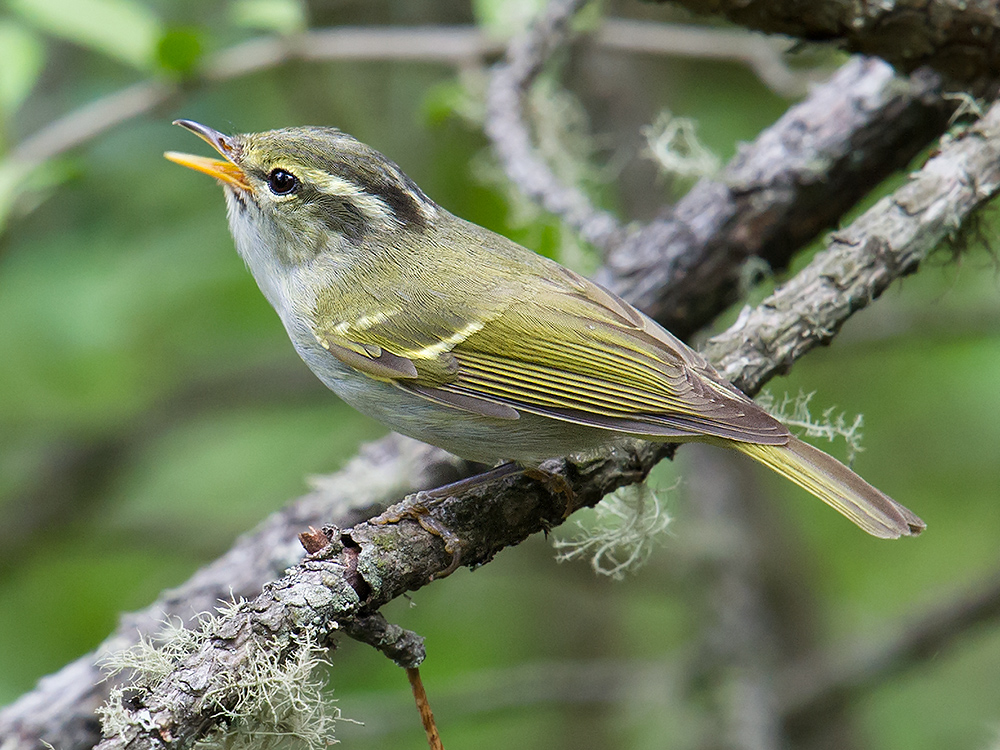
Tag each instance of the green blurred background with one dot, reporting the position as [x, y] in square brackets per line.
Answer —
[151, 407]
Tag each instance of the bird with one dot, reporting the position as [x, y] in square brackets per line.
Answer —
[457, 336]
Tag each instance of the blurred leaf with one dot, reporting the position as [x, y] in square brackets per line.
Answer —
[282, 16]
[122, 29]
[9, 177]
[505, 18]
[444, 101]
[179, 50]
[25, 188]
[23, 56]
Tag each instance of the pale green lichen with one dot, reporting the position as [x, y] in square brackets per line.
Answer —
[279, 701]
[794, 412]
[673, 144]
[274, 698]
[622, 531]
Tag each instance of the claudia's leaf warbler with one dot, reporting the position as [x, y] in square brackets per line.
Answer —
[454, 335]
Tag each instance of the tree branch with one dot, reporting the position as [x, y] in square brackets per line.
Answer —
[763, 55]
[61, 709]
[456, 45]
[371, 563]
[959, 38]
[886, 242]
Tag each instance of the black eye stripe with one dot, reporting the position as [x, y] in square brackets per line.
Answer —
[282, 182]
[403, 199]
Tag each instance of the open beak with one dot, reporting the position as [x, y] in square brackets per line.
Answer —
[227, 171]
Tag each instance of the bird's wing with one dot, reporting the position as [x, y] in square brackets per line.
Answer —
[566, 349]
[404, 332]
[581, 354]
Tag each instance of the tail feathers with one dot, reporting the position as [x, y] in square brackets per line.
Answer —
[837, 486]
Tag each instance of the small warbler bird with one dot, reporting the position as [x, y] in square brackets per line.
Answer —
[454, 335]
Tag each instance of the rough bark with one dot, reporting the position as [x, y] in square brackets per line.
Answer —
[959, 38]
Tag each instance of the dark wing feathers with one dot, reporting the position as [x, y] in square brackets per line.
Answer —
[634, 392]
[468, 401]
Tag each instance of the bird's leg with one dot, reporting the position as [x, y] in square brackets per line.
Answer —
[450, 490]
[556, 484]
[419, 506]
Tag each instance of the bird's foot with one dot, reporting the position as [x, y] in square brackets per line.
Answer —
[556, 484]
[420, 506]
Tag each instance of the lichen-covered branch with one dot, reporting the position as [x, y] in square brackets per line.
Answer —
[959, 38]
[61, 710]
[886, 242]
[370, 564]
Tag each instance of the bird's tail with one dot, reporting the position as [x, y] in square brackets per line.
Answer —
[837, 486]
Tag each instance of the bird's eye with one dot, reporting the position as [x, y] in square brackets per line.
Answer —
[282, 182]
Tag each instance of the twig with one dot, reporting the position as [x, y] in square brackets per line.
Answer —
[404, 647]
[506, 126]
[89, 121]
[424, 707]
[391, 559]
[765, 56]
[455, 45]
